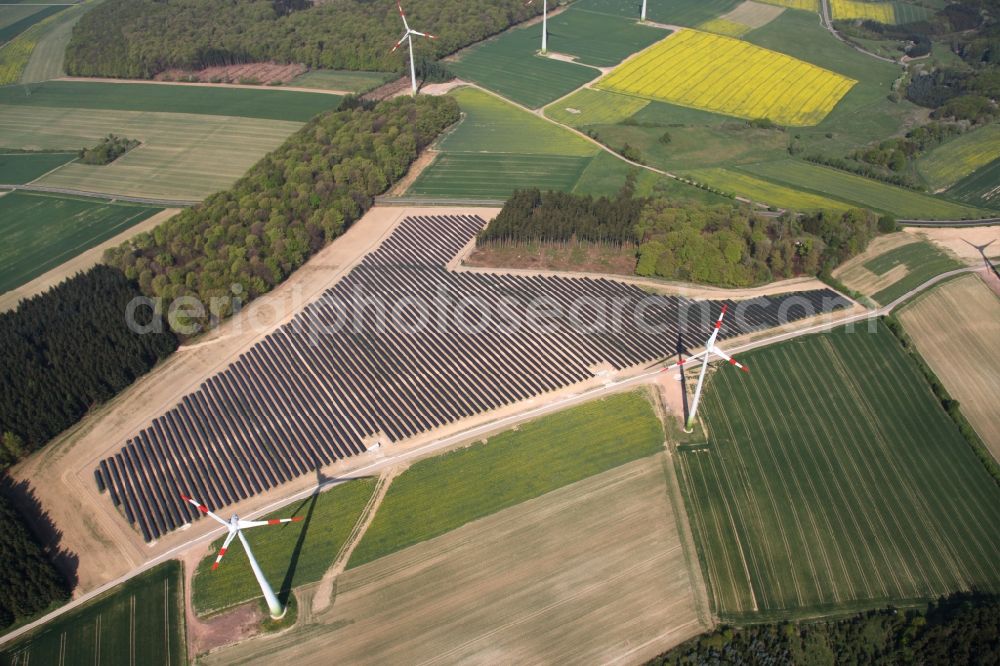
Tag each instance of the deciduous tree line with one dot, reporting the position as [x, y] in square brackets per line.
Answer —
[685, 240]
[140, 38]
[289, 205]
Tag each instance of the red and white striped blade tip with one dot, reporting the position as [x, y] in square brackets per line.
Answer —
[400, 8]
[218, 558]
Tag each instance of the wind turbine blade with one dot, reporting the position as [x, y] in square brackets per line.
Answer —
[400, 42]
[402, 15]
[274, 521]
[732, 361]
[222, 551]
[204, 509]
[715, 332]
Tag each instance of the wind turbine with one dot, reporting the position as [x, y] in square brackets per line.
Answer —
[236, 525]
[545, 23]
[705, 357]
[408, 36]
[642, 17]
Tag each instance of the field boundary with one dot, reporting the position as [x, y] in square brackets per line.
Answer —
[112, 198]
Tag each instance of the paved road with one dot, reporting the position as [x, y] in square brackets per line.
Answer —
[166, 203]
[378, 465]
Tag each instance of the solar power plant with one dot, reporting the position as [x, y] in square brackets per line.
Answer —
[400, 346]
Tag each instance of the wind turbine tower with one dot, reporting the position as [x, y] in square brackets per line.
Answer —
[408, 37]
[236, 525]
[642, 17]
[545, 24]
[705, 357]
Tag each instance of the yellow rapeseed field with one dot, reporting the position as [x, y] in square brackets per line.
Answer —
[883, 12]
[730, 76]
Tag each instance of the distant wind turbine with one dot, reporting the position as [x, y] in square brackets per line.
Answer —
[236, 525]
[408, 37]
[642, 17]
[545, 24]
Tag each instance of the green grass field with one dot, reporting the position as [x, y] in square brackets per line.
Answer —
[42, 231]
[596, 38]
[339, 79]
[138, 622]
[508, 65]
[765, 191]
[14, 19]
[182, 155]
[265, 103]
[952, 161]
[606, 174]
[860, 191]
[679, 12]
[439, 494]
[834, 480]
[492, 176]
[492, 125]
[46, 61]
[979, 188]
[589, 106]
[19, 168]
[922, 260]
[290, 555]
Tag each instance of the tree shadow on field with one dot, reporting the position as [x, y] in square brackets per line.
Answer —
[22, 497]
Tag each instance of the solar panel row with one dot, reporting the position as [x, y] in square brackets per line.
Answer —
[398, 347]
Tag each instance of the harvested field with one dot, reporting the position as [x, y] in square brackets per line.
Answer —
[182, 156]
[264, 73]
[832, 480]
[46, 61]
[725, 75]
[857, 277]
[861, 191]
[594, 572]
[289, 404]
[139, 622]
[41, 231]
[955, 327]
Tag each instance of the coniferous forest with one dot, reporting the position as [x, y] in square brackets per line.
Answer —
[960, 629]
[288, 206]
[28, 581]
[140, 38]
[66, 350]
